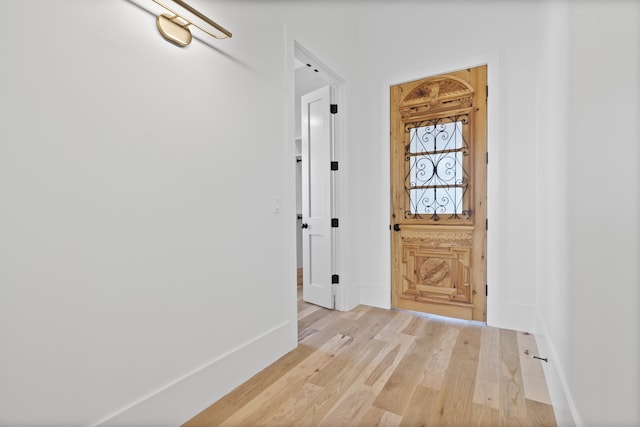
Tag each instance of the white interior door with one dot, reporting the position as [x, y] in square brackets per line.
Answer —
[317, 239]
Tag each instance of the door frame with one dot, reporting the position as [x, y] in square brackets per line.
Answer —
[337, 85]
[492, 61]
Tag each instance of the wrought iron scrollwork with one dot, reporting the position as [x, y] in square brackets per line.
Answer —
[436, 181]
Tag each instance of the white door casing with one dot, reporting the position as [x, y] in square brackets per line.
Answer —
[317, 236]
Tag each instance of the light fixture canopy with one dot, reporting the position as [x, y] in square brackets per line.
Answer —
[174, 26]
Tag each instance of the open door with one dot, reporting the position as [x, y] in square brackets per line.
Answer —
[317, 239]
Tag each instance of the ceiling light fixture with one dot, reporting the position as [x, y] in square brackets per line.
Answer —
[174, 26]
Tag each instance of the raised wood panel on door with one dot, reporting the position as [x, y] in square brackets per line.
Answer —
[438, 194]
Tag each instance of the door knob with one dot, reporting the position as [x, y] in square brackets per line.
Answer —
[396, 227]
[304, 225]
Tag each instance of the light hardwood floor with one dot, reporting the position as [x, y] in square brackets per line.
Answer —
[375, 367]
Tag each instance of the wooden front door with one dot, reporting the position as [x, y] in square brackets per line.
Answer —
[438, 194]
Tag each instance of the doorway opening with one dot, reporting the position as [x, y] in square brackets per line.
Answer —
[317, 89]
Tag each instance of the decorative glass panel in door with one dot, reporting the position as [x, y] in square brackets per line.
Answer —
[437, 163]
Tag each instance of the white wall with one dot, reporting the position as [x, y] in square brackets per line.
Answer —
[604, 235]
[588, 208]
[411, 40]
[142, 274]
[552, 205]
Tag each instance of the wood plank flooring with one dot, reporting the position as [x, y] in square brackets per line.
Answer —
[375, 367]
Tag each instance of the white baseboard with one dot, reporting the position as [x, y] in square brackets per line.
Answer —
[554, 374]
[177, 402]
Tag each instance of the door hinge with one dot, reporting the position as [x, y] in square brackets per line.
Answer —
[486, 224]
[487, 157]
[334, 166]
[487, 91]
[334, 108]
[335, 223]
[486, 290]
[335, 279]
